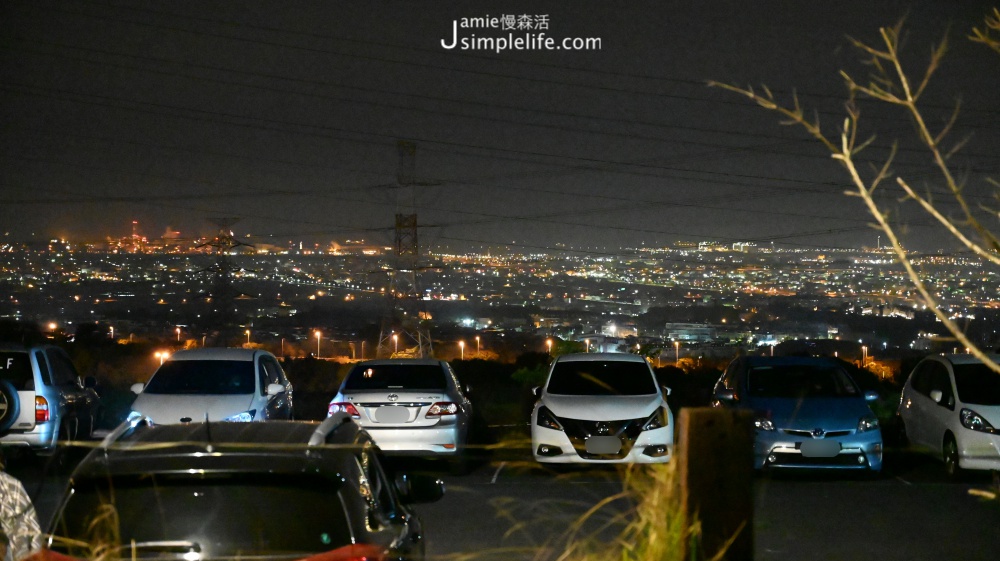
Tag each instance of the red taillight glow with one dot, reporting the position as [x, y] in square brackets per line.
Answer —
[442, 408]
[353, 552]
[344, 406]
[41, 409]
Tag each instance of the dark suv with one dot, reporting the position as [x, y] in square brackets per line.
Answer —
[42, 399]
[276, 490]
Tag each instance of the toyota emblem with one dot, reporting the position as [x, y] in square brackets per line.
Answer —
[818, 433]
[392, 397]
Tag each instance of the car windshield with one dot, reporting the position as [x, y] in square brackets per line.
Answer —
[799, 380]
[396, 377]
[977, 384]
[601, 377]
[218, 515]
[215, 377]
[15, 367]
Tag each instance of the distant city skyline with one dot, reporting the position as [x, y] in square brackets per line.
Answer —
[326, 120]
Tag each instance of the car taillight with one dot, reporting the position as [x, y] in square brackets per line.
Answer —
[344, 406]
[442, 408]
[41, 409]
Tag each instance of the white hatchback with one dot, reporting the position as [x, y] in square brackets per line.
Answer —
[950, 405]
[601, 408]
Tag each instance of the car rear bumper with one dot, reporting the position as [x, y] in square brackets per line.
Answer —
[437, 440]
[860, 451]
[41, 438]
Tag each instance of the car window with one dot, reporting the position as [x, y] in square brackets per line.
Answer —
[977, 384]
[15, 367]
[375, 486]
[939, 380]
[272, 370]
[216, 377]
[396, 376]
[63, 371]
[921, 381]
[797, 381]
[228, 515]
[601, 377]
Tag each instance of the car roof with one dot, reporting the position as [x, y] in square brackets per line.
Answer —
[792, 361]
[402, 361]
[602, 357]
[274, 446]
[217, 353]
[965, 358]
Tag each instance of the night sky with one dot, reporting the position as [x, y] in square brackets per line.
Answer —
[288, 116]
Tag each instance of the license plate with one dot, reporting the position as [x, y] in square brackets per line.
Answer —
[820, 448]
[604, 445]
[392, 414]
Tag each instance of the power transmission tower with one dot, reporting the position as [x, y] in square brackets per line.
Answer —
[223, 293]
[404, 330]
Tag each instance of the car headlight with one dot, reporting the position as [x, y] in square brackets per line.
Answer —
[546, 419]
[244, 417]
[763, 423]
[974, 421]
[657, 420]
[866, 424]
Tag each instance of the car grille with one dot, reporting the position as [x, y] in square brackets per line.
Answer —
[809, 434]
[579, 431]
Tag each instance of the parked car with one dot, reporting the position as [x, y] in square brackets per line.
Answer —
[409, 406]
[950, 406]
[202, 491]
[43, 400]
[601, 408]
[215, 384]
[808, 413]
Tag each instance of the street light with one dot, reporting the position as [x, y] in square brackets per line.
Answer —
[548, 344]
[677, 352]
[395, 343]
[461, 345]
[318, 334]
[162, 355]
[179, 337]
[178, 330]
[112, 332]
[587, 341]
[478, 347]
[864, 356]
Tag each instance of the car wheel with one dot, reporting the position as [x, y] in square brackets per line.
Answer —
[950, 454]
[10, 405]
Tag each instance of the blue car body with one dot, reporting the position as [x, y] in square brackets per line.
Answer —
[808, 413]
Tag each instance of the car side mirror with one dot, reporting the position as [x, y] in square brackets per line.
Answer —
[415, 489]
[275, 389]
[936, 395]
[137, 387]
[871, 396]
[667, 390]
[726, 395]
[536, 391]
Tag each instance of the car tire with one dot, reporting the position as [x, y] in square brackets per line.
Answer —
[11, 404]
[951, 460]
